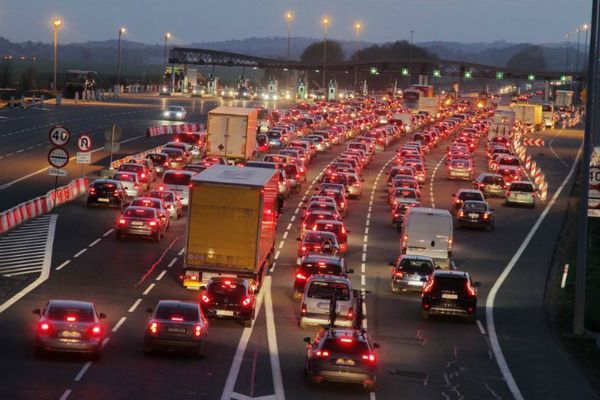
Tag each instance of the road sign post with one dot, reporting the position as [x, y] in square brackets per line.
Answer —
[111, 135]
[84, 156]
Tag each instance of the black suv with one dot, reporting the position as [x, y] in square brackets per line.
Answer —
[449, 293]
[229, 298]
[107, 192]
[318, 264]
[342, 355]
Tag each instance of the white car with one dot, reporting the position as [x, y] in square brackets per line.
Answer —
[521, 193]
[174, 112]
[130, 182]
[318, 292]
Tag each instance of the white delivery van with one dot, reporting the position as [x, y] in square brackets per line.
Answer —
[428, 232]
[178, 182]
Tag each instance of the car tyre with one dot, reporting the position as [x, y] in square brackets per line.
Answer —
[424, 315]
[369, 387]
[247, 323]
[489, 227]
[200, 351]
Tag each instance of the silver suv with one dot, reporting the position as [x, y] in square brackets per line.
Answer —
[316, 299]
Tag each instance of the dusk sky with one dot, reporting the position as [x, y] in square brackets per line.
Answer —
[537, 21]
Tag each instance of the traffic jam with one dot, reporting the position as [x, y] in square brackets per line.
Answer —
[231, 194]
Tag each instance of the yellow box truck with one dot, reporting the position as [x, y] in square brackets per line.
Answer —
[231, 227]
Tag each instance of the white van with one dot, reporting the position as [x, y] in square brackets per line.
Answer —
[178, 182]
[428, 232]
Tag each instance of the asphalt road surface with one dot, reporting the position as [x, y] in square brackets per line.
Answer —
[434, 359]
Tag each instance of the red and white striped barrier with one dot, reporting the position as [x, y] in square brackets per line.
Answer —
[533, 142]
[117, 163]
[173, 129]
[41, 205]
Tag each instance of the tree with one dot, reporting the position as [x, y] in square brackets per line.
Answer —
[398, 50]
[529, 58]
[314, 52]
[28, 78]
[6, 74]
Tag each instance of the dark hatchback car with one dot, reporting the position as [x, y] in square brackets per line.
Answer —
[476, 214]
[342, 355]
[490, 184]
[318, 264]
[229, 298]
[176, 325]
[107, 192]
[449, 293]
[399, 212]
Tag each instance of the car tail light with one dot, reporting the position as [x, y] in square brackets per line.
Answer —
[96, 330]
[143, 175]
[470, 289]
[177, 319]
[152, 223]
[350, 313]
[166, 164]
[399, 274]
[322, 354]
[247, 301]
[205, 299]
[153, 327]
[122, 221]
[461, 214]
[161, 187]
[369, 358]
[428, 286]
[346, 340]
[136, 186]
[198, 330]
[303, 310]
[486, 216]
[396, 215]
[44, 328]
[92, 191]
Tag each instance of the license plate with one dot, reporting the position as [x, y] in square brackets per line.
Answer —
[70, 334]
[449, 296]
[341, 361]
[176, 330]
[102, 200]
[226, 313]
[473, 215]
[415, 283]
[137, 223]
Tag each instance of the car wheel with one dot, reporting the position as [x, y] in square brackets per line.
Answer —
[489, 227]
[369, 387]
[247, 323]
[424, 315]
[118, 236]
[200, 350]
[470, 319]
[393, 288]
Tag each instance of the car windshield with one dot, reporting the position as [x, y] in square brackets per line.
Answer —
[326, 290]
[521, 187]
[176, 178]
[477, 207]
[182, 312]
[232, 291]
[353, 347]
[412, 266]
[67, 313]
[139, 213]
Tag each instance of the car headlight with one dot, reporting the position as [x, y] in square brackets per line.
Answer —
[179, 114]
[275, 97]
[265, 96]
[222, 93]
[166, 113]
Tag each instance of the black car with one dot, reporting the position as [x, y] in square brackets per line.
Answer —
[490, 184]
[342, 355]
[229, 298]
[318, 264]
[476, 214]
[107, 192]
[399, 212]
[449, 293]
[176, 325]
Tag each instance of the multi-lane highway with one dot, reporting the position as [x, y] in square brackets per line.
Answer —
[437, 358]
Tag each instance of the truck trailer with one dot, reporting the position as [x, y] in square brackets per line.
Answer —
[231, 133]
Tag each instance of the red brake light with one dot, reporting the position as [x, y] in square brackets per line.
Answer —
[198, 330]
[323, 353]
[470, 289]
[136, 186]
[122, 221]
[486, 216]
[369, 357]
[153, 327]
[205, 299]
[399, 274]
[44, 327]
[350, 313]
[247, 301]
[152, 223]
[461, 214]
[177, 319]
[143, 175]
[97, 330]
[346, 340]
[303, 309]
[161, 188]
[92, 191]
[428, 286]
[71, 318]
[300, 277]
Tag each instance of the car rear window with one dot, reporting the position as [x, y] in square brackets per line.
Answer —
[124, 177]
[470, 196]
[140, 213]
[131, 168]
[326, 290]
[416, 266]
[176, 179]
[329, 227]
[337, 346]
[291, 169]
[191, 138]
[325, 268]
[318, 237]
[495, 180]
[521, 187]
[274, 135]
[61, 313]
[223, 290]
[477, 207]
[456, 284]
[145, 203]
[157, 158]
[185, 312]
[105, 186]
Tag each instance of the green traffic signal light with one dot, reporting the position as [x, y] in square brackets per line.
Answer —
[437, 73]
[374, 71]
[499, 75]
[531, 77]
[468, 74]
[563, 78]
[404, 71]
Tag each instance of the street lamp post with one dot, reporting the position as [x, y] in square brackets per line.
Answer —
[121, 32]
[325, 22]
[289, 17]
[585, 47]
[56, 23]
[167, 37]
[567, 58]
[577, 54]
[409, 57]
[357, 29]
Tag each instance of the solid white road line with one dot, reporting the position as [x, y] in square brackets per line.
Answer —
[85, 367]
[61, 266]
[80, 253]
[160, 276]
[148, 289]
[134, 306]
[489, 304]
[118, 324]
[554, 152]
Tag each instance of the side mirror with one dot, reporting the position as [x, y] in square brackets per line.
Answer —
[362, 179]
[102, 316]
[149, 310]
[350, 271]
[424, 280]
[492, 209]
[298, 238]
[306, 340]
[376, 345]
[392, 263]
[37, 311]
[348, 232]
[453, 194]
[476, 284]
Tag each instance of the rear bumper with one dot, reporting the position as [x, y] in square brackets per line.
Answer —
[323, 319]
[68, 345]
[170, 343]
[333, 374]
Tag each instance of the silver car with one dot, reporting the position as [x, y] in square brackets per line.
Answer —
[69, 326]
[521, 193]
[174, 112]
[318, 292]
[130, 182]
[410, 272]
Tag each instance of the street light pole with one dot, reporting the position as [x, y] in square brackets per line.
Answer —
[357, 28]
[289, 16]
[325, 26]
[582, 236]
[167, 37]
[409, 57]
[56, 23]
[121, 32]
[567, 70]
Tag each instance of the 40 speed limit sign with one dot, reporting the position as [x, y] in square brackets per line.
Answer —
[59, 135]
